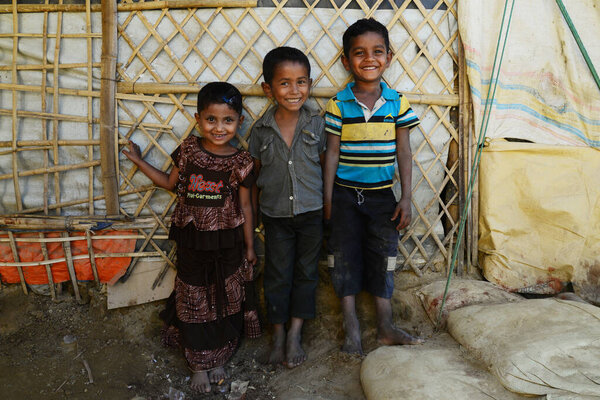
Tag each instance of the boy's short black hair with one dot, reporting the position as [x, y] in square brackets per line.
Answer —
[280, 55]
[220, 93]
[363, 26]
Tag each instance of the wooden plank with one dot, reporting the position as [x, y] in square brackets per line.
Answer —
[138, 288]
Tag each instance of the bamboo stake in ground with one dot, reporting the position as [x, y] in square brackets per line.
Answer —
[107, 106]
[71, 268]
[13, 248]
[88, 237]
[48, 267]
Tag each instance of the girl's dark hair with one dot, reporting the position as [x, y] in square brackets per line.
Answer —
[363, 26]
[280, 55]
[220, 93]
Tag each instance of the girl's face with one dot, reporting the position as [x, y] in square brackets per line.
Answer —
[218, 124]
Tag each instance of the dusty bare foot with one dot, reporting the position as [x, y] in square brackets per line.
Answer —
[352, 343]
[392, 336]
[294, 354]
[200, 382]
[277, 354]
[217, 375]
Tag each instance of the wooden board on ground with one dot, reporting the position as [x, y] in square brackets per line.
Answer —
[138, 288]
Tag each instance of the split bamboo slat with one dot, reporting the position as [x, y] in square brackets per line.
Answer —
[147, 93]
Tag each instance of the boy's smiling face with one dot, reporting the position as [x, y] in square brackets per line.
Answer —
[290, 86]
[368, 57]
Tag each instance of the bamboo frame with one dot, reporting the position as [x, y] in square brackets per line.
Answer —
[171, 95]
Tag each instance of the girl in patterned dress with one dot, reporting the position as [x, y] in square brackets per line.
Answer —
[209, 308]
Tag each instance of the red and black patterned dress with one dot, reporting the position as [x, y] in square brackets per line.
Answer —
[213, 302]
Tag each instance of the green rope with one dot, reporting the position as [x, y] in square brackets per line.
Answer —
[482, 132]
[584, 52]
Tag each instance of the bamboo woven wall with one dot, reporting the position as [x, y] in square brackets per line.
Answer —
[50, 81]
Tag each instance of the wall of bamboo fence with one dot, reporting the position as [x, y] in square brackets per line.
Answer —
[78, 81]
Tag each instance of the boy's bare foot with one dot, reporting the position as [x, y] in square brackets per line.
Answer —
[387, 333]
[277, 354]
[352, 343]
[294, 353]
[393, 336]
[217, 375]
[200, 382]
[352, 346]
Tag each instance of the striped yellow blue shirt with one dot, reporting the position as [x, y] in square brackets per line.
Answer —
[367, 148]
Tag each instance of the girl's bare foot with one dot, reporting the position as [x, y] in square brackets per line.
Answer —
[200, 382]
[294, 353]
[277, 354]
[217, 375]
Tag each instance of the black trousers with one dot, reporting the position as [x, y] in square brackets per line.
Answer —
[292, 247]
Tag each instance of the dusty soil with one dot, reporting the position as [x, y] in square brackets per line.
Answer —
[126, 360]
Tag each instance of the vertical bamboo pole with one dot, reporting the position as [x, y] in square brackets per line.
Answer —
[474, 197]
[55, 106]
[88, 20]
[48, 267]
[107, 106]
[15, 166]
[71, 268]
[463, 134]
[44, 104]
[13, 248]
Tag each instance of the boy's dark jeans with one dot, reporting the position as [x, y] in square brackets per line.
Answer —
[292, 247]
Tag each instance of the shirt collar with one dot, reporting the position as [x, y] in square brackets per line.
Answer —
[347, 95]
[268, 118]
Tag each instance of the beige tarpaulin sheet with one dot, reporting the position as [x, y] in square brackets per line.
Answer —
[545, 90]
[540, 217]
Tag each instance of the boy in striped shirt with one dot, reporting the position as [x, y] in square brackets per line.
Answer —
[368, 131]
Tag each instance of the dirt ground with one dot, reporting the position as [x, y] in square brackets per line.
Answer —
[122, 350]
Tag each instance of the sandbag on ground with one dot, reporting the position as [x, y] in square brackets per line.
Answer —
[544, 346]
[420, 373]
[461, 293]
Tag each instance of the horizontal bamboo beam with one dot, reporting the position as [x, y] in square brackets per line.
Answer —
[71, 203]
[72, 223]
[84, 142]
[77, 238]
[78, 257]
[128, 91]
[41, 67]
[149, 5]
[256, 90]
[58, 168]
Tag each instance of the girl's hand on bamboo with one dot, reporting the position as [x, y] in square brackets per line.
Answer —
[134, 154]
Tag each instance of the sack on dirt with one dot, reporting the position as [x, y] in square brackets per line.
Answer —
[461, 293]
[535, 347]
[395, 372]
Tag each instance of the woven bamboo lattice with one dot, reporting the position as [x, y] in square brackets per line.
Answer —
[164, 56]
